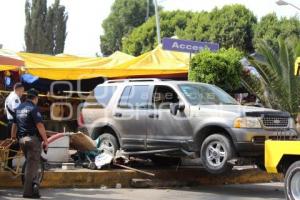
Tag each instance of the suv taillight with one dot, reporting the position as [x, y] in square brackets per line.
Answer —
[80, 120]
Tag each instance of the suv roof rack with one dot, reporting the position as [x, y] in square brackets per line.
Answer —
[133, 80]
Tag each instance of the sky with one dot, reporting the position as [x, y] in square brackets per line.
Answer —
[86, 16]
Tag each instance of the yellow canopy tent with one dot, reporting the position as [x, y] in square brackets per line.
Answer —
[297, 67]
[155, 63]
[8, 67]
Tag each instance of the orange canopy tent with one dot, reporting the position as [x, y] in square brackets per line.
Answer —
[9, 60]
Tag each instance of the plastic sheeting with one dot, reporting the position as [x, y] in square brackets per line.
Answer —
[64, 67]
[8, 67]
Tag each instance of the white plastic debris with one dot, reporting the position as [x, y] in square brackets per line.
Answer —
[103, 159]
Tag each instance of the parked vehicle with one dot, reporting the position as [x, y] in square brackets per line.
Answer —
[180, 118]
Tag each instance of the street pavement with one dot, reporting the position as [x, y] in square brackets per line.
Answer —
[269, 191]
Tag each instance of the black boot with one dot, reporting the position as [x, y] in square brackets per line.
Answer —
[36, 191]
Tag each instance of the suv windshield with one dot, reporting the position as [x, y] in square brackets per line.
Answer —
[202, 94]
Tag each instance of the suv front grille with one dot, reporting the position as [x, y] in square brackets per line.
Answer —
[275, 122]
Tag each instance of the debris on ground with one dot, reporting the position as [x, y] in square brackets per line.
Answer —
[82, 142]
[103, 159]
[141, 183]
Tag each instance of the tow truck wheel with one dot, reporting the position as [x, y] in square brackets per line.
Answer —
[292, 182]
[216, 151]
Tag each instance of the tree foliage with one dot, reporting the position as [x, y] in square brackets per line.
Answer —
[230, 26]
[271, 28]
[45, 30]
[222, 68]
[276, 85]
[125, 15]
[144, 38]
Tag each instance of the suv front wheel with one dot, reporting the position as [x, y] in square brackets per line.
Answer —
[216, 151]
[107, 142]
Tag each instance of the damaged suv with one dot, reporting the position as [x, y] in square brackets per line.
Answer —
[180, 118]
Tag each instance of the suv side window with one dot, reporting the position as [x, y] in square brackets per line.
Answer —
[163, 96]
[123, 102]
[135, 97]
[103, 94]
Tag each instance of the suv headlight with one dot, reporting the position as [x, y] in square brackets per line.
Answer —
[247, 122]
[292, 123]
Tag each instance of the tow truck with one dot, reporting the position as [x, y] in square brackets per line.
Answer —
[283, 156]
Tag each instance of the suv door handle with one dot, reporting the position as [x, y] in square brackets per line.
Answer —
[118, 114]
[153, 115]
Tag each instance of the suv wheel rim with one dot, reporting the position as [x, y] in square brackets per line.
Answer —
[106, 145]
[295, 185]
[216, 154]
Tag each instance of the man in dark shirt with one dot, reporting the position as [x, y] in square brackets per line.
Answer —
[28, 128]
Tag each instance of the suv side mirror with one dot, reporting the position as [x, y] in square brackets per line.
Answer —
[174, 107]
[181, 107]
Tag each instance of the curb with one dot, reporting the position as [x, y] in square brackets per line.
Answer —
[84, 178]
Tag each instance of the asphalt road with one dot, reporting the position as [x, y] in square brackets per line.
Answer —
[270, 191]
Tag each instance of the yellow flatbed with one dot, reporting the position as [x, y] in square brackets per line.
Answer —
[284, 157]
[276, 151]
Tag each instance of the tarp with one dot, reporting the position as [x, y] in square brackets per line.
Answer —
[9, 60]
[8, 67]
[64, 67]
[297, 67]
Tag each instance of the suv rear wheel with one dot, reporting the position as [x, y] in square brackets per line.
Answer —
[108, 142]
[216, 151]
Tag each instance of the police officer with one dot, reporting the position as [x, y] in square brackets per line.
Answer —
[30, 131]
[11, 103]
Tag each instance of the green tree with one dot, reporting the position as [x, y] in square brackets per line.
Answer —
[197, 28]
[276, 85]
[271, 28]
[222, 68]
[36, 12]
[125, 15]
[144, 38]
[230, 26]
[45, 30]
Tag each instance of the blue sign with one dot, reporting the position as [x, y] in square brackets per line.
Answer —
[188, 45]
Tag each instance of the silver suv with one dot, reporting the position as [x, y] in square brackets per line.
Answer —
[180, 118]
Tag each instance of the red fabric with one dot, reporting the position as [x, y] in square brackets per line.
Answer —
[55, 137]
[10, 61]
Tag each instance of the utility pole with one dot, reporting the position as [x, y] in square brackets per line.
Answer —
[157, 21]
[148, 10]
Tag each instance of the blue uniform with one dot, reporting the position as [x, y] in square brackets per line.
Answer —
[26, 118]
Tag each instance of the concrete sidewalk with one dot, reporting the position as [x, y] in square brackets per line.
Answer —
[270, 191]
[83, 178]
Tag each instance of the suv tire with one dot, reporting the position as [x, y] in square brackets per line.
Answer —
[109, 142]
[216, 151]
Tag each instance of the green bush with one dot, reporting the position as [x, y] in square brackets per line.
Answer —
[222, 68]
